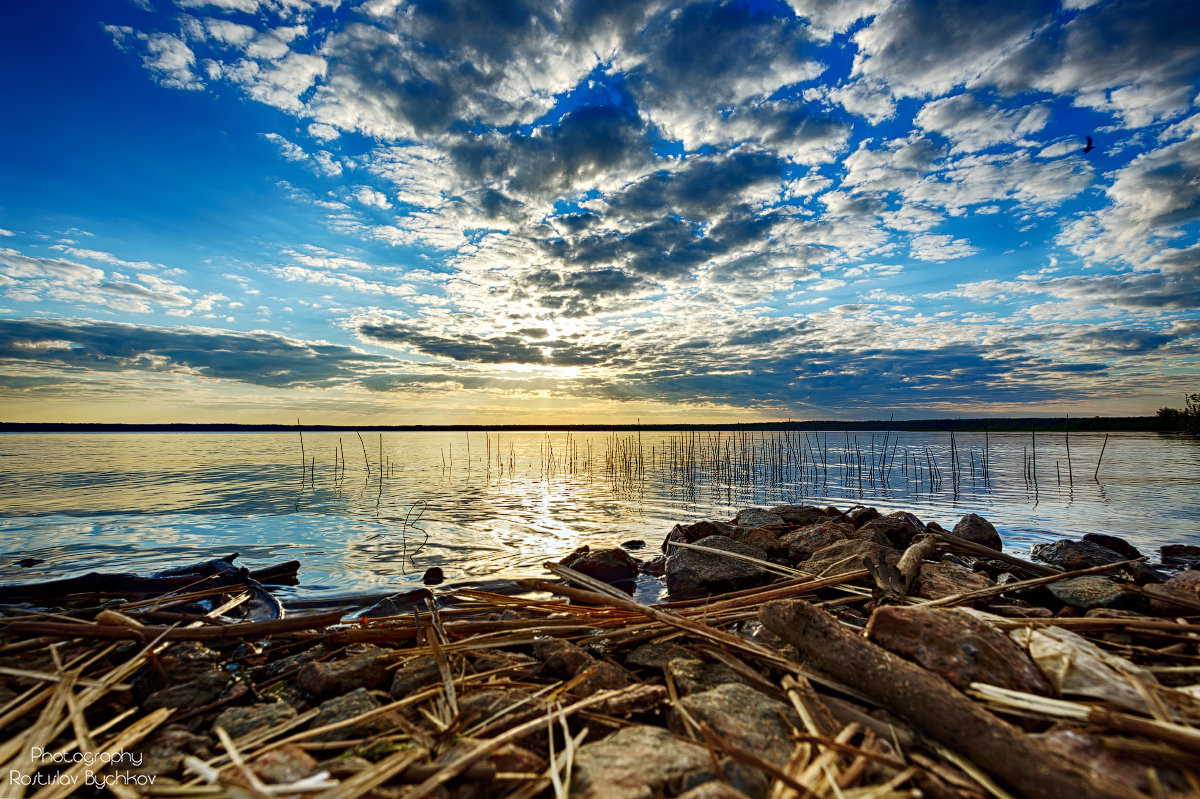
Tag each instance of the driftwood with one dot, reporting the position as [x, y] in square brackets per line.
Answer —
[219, 571]
[933, 705]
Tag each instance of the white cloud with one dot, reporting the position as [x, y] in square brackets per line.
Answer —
[972, 126]
[938, 248]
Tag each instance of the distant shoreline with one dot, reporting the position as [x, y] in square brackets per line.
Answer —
[1094, 424]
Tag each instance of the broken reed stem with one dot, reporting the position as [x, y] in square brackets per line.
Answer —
[364, 449]
[1096, 474]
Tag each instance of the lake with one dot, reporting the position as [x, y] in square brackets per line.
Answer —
[372, 513]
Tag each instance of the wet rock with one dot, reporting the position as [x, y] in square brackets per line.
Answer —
[418, 673]
[656, 566]
[745, 718]
[613, 566]
[757, 517]
[1179, 556]
[760, 537]
[633, 544]
[1185, 585]
[958, 645]
[561, 658]
[689, 571]
[1119, 545]
[350, 706]
[638, 763]
[899, 532]
[797, 515]
[693, 676]
[237, 721]
[860, 516]
[655, 655]
[200, 690]
[936, 580]
[802, 544]
[361, 666]
[284, 765]
[974, 527]
[1087, 592]
[1072, 555]
[434, 576]
[691, 533]
[841, 557]
[399, 604]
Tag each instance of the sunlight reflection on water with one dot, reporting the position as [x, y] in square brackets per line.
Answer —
[138, 502]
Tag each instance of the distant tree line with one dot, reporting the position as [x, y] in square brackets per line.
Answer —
[1186, 418]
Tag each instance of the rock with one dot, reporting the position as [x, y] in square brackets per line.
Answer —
[1087, 592]
[689, 571]
[868, 532]
[757, 517]
[488, 702]
[561, 658]
[633, 544]
[434, 576]
[694, 676]
[655, 655]
[638, 763]
[958, 645]
[399, 604]
[414, 675]
[760, 537]
[713, 790]
[974, 527]
[362, 666]
[1185, 585]
[691, 533]
[200, 690]
[860, 516]
[1179, 556]
[656, 566]
[1072, 555]
[803, 543]
[797, 515]
[936, 580]
[513, 759]
[284, 765]
[515, 664]
[603, 675]
[640, 699]
[349, 706]
[237, 721]
[613, 566]
[899, 532]
[745, 718]
[841, 557]
[1119, 545]
[162, 755]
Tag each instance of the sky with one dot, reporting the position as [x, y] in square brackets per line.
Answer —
[467, 211]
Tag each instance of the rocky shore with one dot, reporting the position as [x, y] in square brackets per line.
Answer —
[805, 652]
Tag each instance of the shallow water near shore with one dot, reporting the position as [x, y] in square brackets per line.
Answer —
[372, 515]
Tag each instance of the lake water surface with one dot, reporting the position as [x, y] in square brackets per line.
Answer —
[372, 514]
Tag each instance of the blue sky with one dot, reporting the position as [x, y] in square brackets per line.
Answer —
[463, 211]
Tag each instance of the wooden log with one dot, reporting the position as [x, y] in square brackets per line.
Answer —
[934, 706]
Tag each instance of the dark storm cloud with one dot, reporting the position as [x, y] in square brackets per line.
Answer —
[502, 348]
[263, 359]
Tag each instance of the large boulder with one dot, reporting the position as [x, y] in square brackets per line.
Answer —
[973, 527]
[614, 566]
[691, 533]
[937, 580]
[1072, 555]
[1185, 585]
[847, 556]
[757, 517]
[745, 718]
[802, 544]
[797, 515]
[693, 572]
